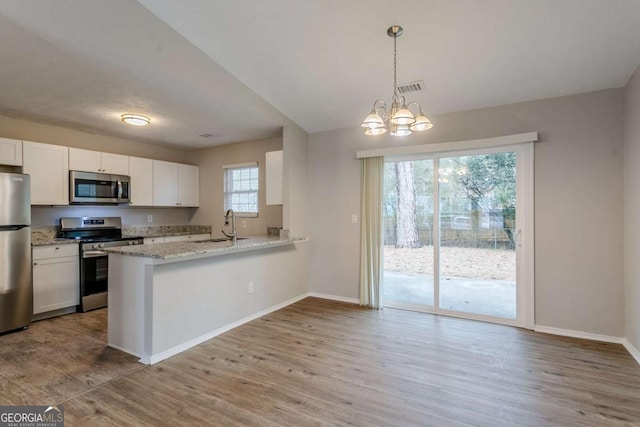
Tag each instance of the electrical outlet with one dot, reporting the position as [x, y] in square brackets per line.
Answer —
[244, 223]
[354, 218]
[149, 218]
[251, 287]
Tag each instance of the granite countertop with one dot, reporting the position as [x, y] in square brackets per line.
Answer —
[180, 250]
[46, 236]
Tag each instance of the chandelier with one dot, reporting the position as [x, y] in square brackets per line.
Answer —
[399, 120]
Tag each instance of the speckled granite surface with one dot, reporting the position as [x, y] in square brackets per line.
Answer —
[187, 249]
[164, 230]
[45, 236]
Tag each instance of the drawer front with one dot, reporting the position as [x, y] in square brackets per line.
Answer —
[55, 251]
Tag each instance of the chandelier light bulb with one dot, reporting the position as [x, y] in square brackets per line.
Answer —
[373, 121]
[400, 130]
[403, 116]
[375, 131]
[422, 123]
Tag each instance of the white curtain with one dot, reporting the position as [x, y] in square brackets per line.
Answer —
[371, 232]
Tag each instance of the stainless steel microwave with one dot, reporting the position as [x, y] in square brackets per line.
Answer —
[98, 188]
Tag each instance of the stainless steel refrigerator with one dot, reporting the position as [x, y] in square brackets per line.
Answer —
[16, 283]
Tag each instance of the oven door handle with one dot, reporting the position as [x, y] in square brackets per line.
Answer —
[94, 254]
[119, 190]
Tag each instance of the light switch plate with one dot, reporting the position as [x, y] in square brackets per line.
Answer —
[354, 218]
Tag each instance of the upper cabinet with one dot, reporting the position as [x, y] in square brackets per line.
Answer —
[141, 173]
[165, 183]
[273, 173]
[95, 161]
[175, 184]
[153, 182]
[10, 152]
[48, 166]
[188, 185]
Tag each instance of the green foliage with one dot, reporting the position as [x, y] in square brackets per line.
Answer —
[491, 175]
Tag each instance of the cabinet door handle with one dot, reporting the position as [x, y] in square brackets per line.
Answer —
[35, 263]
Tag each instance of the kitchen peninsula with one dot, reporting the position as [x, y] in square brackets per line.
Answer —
[168, 297]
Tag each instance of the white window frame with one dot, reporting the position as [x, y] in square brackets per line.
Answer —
[240, 213]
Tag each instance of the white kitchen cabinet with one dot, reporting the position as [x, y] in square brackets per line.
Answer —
[273, 174]
[153, 240]
[95, 161]
[115, 164]
[175, 184]
[188, 185]
[56, 278]
[188, 238]
[48, 166]
[165, 183]
[10, 152]
[141, 173]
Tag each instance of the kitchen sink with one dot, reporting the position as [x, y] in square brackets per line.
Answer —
[219, 239]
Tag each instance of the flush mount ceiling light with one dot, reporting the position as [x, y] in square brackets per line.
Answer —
[135, 119]
[399, 120]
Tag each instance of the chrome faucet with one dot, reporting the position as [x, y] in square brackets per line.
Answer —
[233, 236]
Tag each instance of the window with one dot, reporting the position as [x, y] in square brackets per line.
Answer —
[241, 189]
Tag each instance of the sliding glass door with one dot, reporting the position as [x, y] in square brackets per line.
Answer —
[453, 234]
[477, 273]
[408, 234]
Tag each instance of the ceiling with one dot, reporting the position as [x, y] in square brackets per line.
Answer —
[240, 70]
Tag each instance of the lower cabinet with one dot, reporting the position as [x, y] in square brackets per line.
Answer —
[56, 278]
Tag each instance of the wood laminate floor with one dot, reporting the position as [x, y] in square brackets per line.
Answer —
[318, 362]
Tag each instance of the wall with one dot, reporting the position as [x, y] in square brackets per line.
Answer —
[295, 188]
[211, 211]
[632, 209]
[47, 216]
[578, 203]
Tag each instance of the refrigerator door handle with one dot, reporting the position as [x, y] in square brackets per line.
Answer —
[12, 227]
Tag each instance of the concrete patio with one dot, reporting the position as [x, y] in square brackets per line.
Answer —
[496, 298]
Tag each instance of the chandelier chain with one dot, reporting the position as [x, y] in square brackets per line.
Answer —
[395, 55]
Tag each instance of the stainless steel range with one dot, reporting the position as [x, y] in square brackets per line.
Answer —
[95, 234]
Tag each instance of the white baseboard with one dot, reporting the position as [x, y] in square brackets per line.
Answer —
[334, 297]
[634, 352]
[578, 334]
[151, 359]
